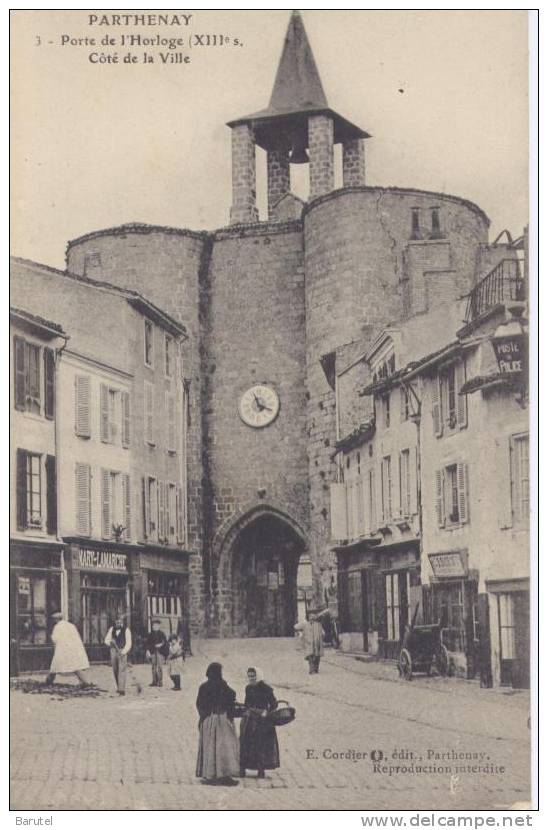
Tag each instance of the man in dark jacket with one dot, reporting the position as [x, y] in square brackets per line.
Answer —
[157, 651]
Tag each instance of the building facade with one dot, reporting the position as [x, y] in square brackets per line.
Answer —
[290, 316]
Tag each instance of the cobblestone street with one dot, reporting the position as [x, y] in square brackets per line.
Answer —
[139, 752]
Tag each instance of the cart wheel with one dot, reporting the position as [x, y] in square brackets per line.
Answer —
[442, 661]
[405, 664]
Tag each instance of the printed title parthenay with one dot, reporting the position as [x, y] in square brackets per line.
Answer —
[139, 19]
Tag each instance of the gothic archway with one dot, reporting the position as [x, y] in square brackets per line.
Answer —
[258, 569]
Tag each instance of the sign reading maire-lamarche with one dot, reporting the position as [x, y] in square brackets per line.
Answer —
[100, 560]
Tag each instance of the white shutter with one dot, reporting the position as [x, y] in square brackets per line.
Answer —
[436, 405]
[373, 502]
[505, 481]
[170, 407]
[149, 412]
[462, 400]
[127, 506]
[153, 506]
[82, 398]
[349, 510]
[440, 505]
[339, 529]
[462, 484]
[413, 483]
[126, 427]
[104, 416]
[106, 521]
[146, 506]
[360, 507]
[161, 511]
[179, 516]
[82, 500]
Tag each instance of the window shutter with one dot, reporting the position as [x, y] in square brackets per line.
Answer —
[104, 418]
[49, 383]
[374, 512]
[149, 412]
[339, 528]
[20, 373]
[126, 429]
[144, 490]
[21, 489]
[33, 375]
[83, 405]
[162, 510]
[462, 400]
[440, 506]
[51, 495]
[170, 406]
[127, 506]
[506, 481]
[105, 505]
[179, 517]
[83, 506]
[436, 405]
[360, 507]
[413, 483]
[462, 484]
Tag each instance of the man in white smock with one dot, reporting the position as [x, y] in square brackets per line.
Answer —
[70, 655]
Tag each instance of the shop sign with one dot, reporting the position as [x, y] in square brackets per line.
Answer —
[23, 583]
[510, 354]
[451, 564]
[101, 560]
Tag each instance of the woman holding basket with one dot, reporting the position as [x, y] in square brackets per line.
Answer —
[258, 742]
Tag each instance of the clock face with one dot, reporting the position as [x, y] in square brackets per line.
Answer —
[259, 405]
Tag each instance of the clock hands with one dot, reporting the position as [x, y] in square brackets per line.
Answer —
[260, 405]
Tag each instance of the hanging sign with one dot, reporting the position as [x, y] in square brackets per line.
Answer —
[510, 352]
[449, 565]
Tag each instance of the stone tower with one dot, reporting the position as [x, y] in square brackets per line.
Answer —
[264, 303]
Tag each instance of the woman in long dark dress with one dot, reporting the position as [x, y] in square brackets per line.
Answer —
[258, 741]
[218, 747]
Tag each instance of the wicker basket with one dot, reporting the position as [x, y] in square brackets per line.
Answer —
[282, 715]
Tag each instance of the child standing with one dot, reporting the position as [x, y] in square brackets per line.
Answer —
[175, 661]
[157, 650]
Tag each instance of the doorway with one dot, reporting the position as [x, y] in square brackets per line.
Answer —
[264, 578]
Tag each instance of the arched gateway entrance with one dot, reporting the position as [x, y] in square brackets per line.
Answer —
[263, 575]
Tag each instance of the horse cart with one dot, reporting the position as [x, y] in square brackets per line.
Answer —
[422, 650]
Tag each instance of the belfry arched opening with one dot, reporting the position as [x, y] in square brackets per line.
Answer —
[265, 560]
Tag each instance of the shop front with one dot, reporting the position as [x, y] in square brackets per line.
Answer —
[453, 602]
[399, 567]
[36, 590]
[106, 580]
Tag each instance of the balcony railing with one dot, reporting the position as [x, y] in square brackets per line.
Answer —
[504, 283]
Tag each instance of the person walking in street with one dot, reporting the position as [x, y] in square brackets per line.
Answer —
[157, 651]
[258, 742]
[119, 641]
[218, 761]
[69, 656]
[175, 660]
[312, 640]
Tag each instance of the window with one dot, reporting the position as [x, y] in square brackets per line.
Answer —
[392, 607]
[91, 260]
[519, 457]
[29, 490]
[386, 489]
[449, 408]
[415, 223]
[149, 343]
[435, 229]
[385, 408]
[452, 497]
[82, 397]
[172, 514]
[405, 484]
[149, 413]
[32, 607]
[169, 356]
[114, 410]
[371, 500]
[115, 505]
[83, 499]
[404, 404]
[27, 374]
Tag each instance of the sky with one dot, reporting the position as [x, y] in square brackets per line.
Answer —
[442, 93]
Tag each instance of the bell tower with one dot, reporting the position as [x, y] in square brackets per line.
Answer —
[297, 127]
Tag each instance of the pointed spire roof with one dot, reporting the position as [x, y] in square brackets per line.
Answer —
[297, 86]
[297, 92]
